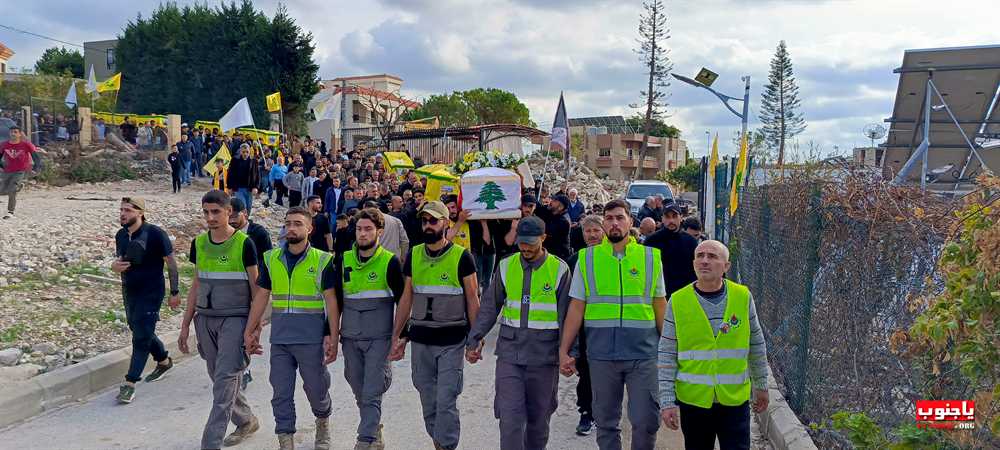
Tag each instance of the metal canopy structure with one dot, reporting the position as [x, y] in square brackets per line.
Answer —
[961, 84]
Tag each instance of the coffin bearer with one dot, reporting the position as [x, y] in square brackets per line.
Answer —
[298, 282]
[372, 280]
[219, 302]
[618, 297]
[712, 355]
[530, 299]
[440, 299]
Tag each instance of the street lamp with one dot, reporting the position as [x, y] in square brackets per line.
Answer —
[744, 116]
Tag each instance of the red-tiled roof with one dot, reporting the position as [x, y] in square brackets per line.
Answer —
[361, 90]
[5, 52]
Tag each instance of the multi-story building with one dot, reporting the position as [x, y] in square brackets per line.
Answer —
[5, 54]
[610, 147]
[360, 122]
[100, 54]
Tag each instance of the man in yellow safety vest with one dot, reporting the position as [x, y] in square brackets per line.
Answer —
[712, 355]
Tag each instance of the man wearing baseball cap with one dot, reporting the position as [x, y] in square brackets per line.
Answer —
[557, 225]
[676, 249]
[440, 299]
[142, 249]
[530, 301]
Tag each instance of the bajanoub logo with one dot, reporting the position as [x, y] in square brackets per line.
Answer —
[634, 272]
[547, 287]
[946, 414]
[372, 276]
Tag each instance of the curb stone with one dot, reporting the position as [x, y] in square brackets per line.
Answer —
[779, 423]
[26, 399]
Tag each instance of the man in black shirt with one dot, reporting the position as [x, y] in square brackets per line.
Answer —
[676, 250]
[257, 233]
[440, 299]
[142, 249]
[321, 236]
[556, 226]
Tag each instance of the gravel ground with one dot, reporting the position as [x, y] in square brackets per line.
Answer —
[57, 292]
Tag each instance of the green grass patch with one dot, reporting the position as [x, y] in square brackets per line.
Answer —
[12, 333]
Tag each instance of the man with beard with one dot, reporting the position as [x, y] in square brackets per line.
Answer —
[618, 297]
[676, 249]
[530, 300]
[321, 236]
[372, 280]
[440, 300]
[299, 281]
[219, 301]
[592, 227]
[142, 249]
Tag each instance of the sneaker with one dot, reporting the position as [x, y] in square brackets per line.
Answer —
[379, 444]
[159, 371]
[126, 393]
[242, 432]
[586, 425]
[9, 215]
[322, 441]
[286, 441]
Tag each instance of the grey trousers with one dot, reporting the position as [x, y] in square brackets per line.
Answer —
[524, 403]
[437, 375]
[308, 359]
[638, 378]
[9, 185]
[220, 343]
[367, 369]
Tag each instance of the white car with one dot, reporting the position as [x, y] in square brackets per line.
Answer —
[638, 190]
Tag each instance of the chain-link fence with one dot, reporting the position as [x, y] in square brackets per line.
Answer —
[832, 267]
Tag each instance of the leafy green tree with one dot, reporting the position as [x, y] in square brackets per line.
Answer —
[197, 61]
[687, 176]
[490, 194]
[473, 107]
[657, 128]
[60, 62]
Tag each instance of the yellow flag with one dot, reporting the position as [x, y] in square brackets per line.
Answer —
[714, 159]
[741, 168]
[274, 102]
[111, 84]
[222, 154]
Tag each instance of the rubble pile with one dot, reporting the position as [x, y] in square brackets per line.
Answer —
[591, 187]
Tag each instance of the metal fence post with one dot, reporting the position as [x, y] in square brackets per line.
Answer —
[812, 266]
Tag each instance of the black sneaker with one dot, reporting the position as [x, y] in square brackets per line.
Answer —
[126, 393]
[161, 369]
[586, 426]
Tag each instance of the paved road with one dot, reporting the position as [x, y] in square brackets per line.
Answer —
[170, 414]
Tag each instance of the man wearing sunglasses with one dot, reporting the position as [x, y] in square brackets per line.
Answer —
[440, 299]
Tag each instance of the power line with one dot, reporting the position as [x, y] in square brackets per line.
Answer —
[41, 36]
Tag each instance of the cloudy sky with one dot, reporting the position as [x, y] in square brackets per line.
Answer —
[843, 51]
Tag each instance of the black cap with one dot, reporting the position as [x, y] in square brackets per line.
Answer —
[671, 206]
[562, 199]
[528, 198]
[529, 230]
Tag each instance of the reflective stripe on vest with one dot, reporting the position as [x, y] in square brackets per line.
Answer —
[542, 302]
[367, 280]
[438, 297]
[619, 292]
[711, 367]
[223, 283]
[300, 292]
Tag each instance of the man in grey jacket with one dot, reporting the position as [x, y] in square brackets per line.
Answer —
[530, 301]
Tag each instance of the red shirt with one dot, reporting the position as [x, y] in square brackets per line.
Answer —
[17, 157]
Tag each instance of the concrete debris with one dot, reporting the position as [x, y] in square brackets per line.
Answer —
[592, 187]
[10, 356]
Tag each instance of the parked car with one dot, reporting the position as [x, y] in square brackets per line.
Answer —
[638, 190]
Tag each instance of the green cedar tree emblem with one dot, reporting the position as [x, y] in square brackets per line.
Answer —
[490, 194]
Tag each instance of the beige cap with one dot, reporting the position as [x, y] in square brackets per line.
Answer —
[436, 210]
[138, 202]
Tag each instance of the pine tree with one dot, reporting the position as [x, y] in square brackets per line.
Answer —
[653, 33]
[780, 104]
[490, 194]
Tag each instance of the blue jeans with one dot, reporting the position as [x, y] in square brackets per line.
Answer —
[247, 197]
[196, 164]
[144, 343]
[484, 268]
[186, 171]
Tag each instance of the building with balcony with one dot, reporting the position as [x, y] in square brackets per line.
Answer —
[610, 147]
[360, 121]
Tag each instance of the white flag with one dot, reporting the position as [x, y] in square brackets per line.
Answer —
[71, 96]
[327, 107]
[238, 116]
[91, 82]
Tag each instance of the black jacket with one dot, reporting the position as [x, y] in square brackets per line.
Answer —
[261, 240]
[556, 232]
[242, 174]
[677, 254]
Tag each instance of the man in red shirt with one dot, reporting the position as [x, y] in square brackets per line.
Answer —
[17, 163]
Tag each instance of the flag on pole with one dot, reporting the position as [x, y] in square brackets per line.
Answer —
[741, 168]
[714, 159]
[560, 127]
[91, 82]
[238, 116]
[111, 84]
[222, 154]
[71, 96]
[274, 102]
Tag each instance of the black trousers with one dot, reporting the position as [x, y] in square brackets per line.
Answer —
[144, 343]
[294, 198]
[279, 187]
[584, 394]
[700, 426]
[175, 179]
